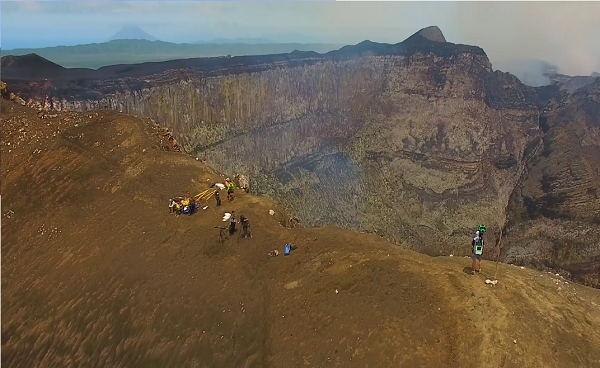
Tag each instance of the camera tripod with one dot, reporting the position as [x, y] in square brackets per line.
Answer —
[221, 234]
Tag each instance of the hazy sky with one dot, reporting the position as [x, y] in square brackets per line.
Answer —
[564, 33]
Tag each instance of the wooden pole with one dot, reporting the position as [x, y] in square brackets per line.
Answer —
[498, 256]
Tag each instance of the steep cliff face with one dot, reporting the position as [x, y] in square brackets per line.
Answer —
[555, 211]
[418, 141]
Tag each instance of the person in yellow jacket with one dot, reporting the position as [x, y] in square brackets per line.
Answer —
[230, 191]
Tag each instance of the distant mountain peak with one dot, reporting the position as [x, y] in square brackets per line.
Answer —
[132, 32]
[431, 33]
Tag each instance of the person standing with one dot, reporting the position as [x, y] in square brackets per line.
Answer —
[245, 227]
[477, 246]
[192, 205]
[218, 197]
[230, 191]
[232, 222]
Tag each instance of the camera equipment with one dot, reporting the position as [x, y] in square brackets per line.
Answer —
[221, 235]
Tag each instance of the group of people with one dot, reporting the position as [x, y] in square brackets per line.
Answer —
[183, 205]
[245, 225]
[229, 186]
[189, 205]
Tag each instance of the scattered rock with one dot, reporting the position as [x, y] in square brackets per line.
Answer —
[17, 99]
[291, 285]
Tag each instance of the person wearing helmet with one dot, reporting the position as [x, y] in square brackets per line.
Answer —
[245, 227]
[229, 190]
[477, 245]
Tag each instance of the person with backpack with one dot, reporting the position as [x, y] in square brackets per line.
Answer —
[477, 246]
[230, 191]
[245, 227]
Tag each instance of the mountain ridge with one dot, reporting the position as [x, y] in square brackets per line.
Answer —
[96, 55]
[414, 44]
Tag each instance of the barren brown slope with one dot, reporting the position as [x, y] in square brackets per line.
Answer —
[96, 273]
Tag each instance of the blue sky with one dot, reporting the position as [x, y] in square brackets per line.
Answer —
[61, 22]
[565, 33]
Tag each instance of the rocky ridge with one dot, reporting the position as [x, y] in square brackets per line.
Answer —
[6, 94]
[417, 141]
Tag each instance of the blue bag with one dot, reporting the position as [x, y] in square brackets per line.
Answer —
[287, 249]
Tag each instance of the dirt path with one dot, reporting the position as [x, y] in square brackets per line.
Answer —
[99, 274]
